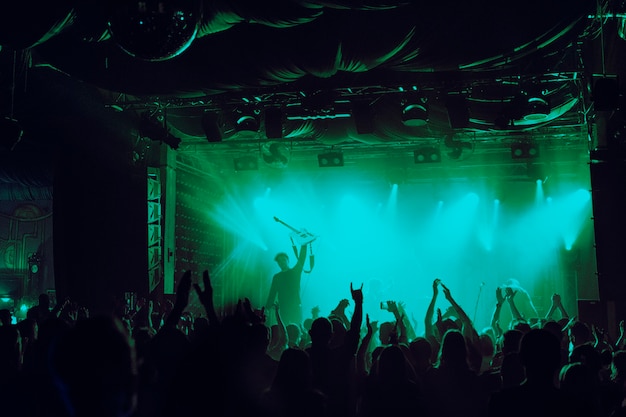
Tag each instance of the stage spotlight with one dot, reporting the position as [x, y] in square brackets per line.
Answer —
[247, 119]
[330, 159]
[524, 150]
[426, 154]
[415, 114]
[211, 125]
[537, 109]
[246, 163]
[273, 123]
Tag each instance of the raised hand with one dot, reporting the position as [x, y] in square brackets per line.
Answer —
[254, 316]
[374, 326]
[446, 292]
[621, 327]
[436, 283]
[343, 304]
[598, 333]
[499, 296]
[357, 295]
[556, 299]
[392, 307]
[206, 296]
[510, 293]
[184, 286]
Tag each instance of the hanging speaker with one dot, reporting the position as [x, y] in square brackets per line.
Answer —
[273, 123]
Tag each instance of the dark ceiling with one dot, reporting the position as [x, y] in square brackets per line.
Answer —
[323, 73]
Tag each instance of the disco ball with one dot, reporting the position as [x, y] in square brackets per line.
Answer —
[155, 30]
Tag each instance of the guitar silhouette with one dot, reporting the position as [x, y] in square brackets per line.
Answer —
[302, 236]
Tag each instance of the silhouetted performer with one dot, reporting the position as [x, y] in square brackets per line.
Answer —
[286, 286]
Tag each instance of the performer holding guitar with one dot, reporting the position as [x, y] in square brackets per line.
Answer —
[286, 283]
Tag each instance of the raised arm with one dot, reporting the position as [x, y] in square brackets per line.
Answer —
[301, 257]
[510, 295]
[206, 298]
[495, 317]
[410, 330]
[357, 316]
[361, 356]
[402, 336]
[560, 307]
[556, 305]
[430, 311]
[339, 312]
[281, 339]
[58, 307]
[182, 299]
[351, 340]
[469, 332]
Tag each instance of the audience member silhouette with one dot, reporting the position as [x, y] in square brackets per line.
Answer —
[454, 378]
[94, 369]
[392, 390]
[538, 395]
[291, 393]
[334, 367]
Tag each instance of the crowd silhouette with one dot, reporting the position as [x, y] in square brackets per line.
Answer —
[161, 361]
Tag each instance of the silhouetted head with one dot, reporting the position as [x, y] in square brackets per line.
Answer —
[587, 355]
[485, 345]
[44, 300]
[293, 334]
[307, 323]
[321, 331]
[282, 259]
[5, 317]
[259, 337]
[421, 350]
[447, 324]
[540, 353]
[579, 333]
[294, 371]
[511, 340]
[576, 379]
[520, 325]
[453, 353]
[555, 328]
[339, 332]
[385, 332]
[392, 366]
